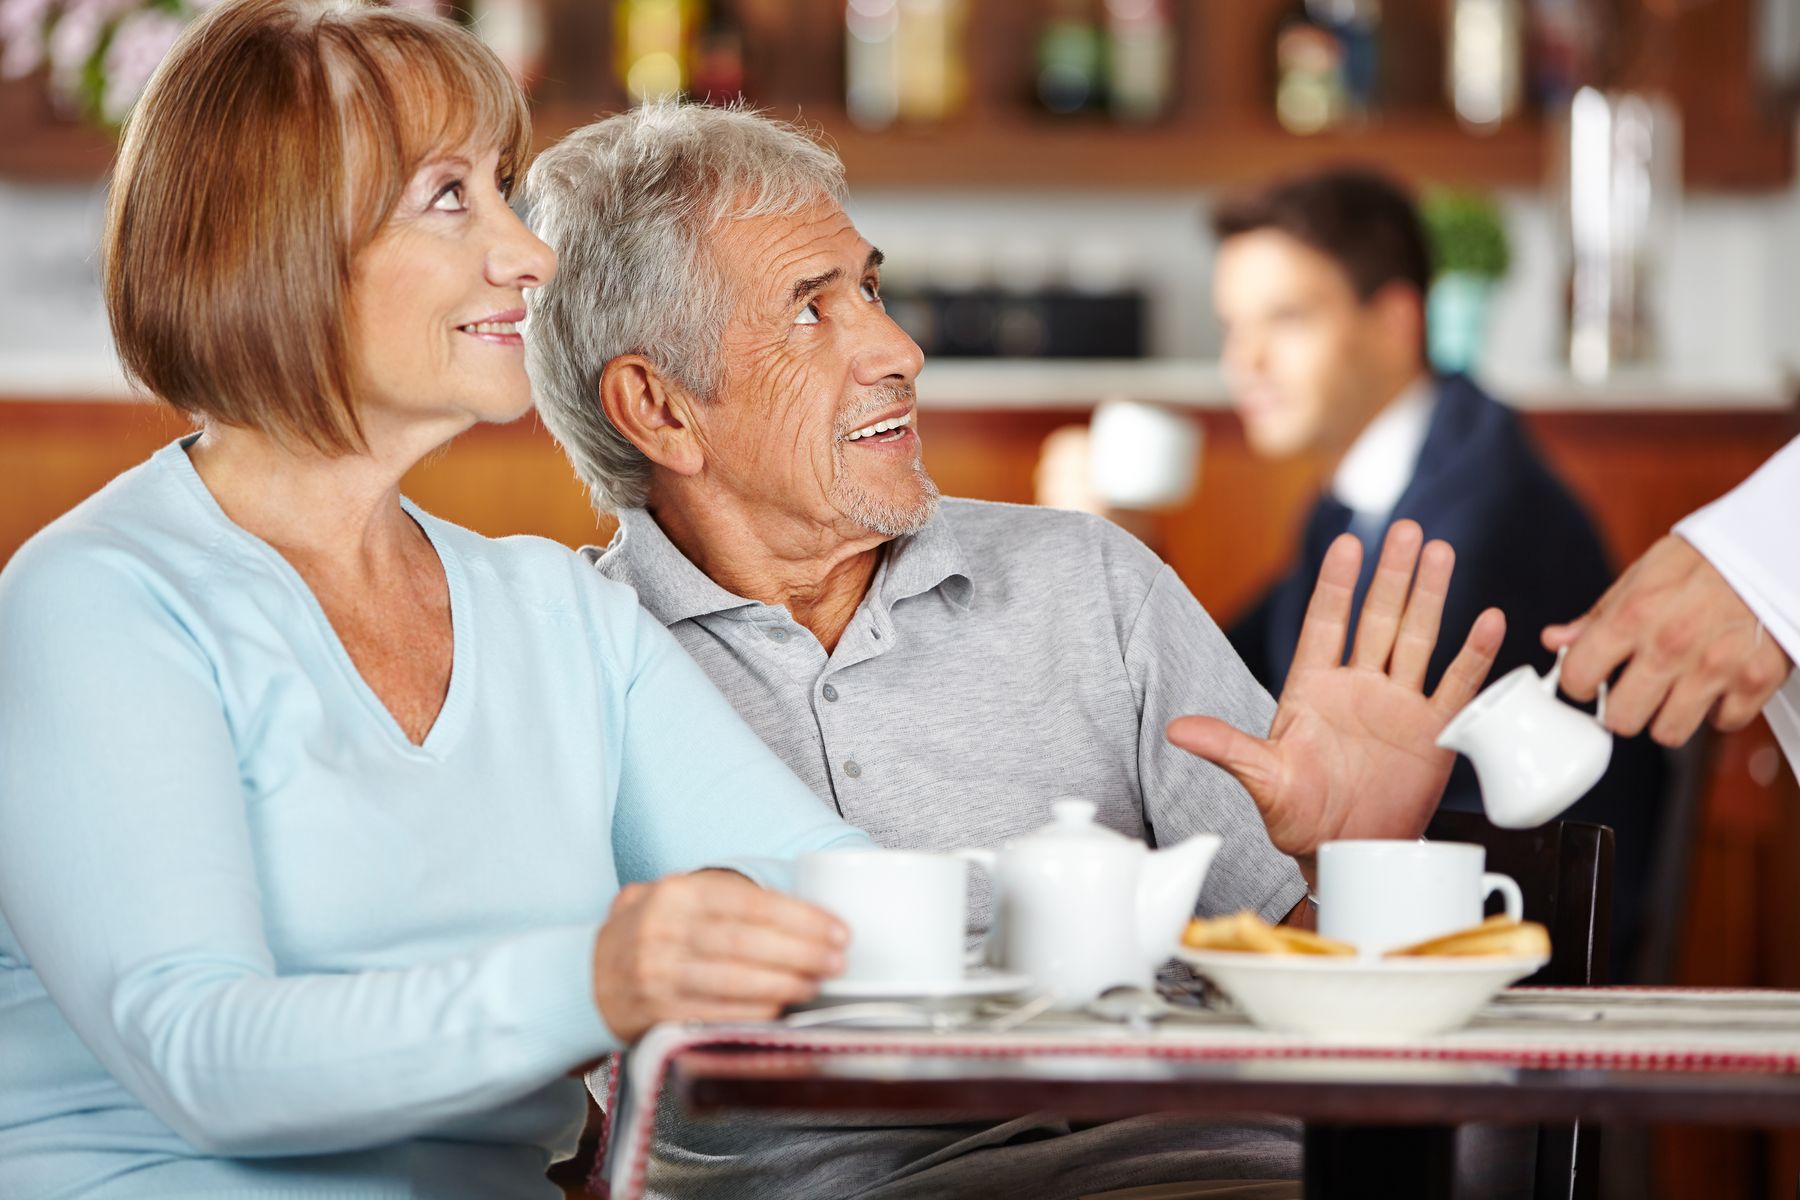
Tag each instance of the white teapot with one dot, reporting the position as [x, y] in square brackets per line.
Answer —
[1080, 908]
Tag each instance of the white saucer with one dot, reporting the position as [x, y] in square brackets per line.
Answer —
[980, 983]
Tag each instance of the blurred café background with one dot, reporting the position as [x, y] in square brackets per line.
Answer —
[1610, 185]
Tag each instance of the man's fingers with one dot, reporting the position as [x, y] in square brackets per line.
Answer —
[1469, 669]
[1424, 616]
[1633, 701]
[1327, 621]
[1386, 601]
[1682, 713]
[1248, 758]
[1735, 710]
[1593, 657]
[1555, 637]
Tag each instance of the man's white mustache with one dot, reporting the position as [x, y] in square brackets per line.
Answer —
[882, 401]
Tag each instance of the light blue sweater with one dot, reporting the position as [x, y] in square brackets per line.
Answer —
[253, 942]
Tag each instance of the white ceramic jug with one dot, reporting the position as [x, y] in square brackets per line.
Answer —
[1080, 908]
[1533, 754]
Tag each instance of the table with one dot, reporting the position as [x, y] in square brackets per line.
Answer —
[1379, 1117]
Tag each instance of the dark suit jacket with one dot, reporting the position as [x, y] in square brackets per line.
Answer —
[1523, 544]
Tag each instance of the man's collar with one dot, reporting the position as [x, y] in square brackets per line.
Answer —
[667, 584]
[924, 560]
[1374, 472]
[674, 589]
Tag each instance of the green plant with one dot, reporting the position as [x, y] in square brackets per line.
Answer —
[1466, 233]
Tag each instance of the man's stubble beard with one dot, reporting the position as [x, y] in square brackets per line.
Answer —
[890, 518]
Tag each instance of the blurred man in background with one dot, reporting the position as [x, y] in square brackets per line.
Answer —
[1320, 287]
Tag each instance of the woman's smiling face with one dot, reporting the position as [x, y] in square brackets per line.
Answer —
[437, 297]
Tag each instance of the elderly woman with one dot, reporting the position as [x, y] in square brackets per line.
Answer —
[314, 809]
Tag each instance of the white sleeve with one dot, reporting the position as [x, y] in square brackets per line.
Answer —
[1749, 535]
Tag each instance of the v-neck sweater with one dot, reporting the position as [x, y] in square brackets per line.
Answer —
[253, 940]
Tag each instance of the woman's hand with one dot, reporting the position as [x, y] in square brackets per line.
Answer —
[710, 946]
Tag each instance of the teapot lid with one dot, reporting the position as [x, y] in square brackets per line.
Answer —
[1073, 819]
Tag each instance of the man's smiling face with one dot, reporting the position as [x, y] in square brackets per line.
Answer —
[815, 418]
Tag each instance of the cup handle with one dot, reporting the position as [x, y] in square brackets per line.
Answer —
[1554, 680]
[1492, 882]
[988, 953]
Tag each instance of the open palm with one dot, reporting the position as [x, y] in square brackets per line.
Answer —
[1352, 751]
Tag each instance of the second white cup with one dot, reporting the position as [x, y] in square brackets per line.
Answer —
[1381, 895]
[907, 912]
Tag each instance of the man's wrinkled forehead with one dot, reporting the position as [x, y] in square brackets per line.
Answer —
[777, 260]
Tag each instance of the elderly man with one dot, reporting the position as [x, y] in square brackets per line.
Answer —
[716, 360]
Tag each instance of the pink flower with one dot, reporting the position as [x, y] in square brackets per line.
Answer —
[76, 35]
[22, 33]
[137, 47]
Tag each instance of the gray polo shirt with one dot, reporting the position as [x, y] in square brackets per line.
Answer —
[1003, 656]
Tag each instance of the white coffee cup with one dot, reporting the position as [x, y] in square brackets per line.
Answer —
[907, 911]
[1142, 455]
[1534, 754]
[1381, 895]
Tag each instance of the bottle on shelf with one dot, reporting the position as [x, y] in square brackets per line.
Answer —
[1071, 59]
[1485, 65]
[1356, 24]
[904, 60]
[1140, 59]
[1311, 82]
[652, 37]
[872, 62]
[718, 62]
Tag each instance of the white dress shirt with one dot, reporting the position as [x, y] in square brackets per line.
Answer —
[1749, 535]
[1380, 462]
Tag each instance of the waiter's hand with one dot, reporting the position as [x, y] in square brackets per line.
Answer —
[1353, 751]
[710, 946]
[1691, 649]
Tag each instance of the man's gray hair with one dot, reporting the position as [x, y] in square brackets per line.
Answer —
[629, 204]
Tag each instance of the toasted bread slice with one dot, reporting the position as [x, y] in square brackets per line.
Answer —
[1247, 932]
[1499, 936]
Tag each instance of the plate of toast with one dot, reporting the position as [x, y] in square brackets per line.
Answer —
[1295, 981]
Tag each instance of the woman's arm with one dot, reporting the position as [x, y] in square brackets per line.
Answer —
[128, 876]
[698, 788]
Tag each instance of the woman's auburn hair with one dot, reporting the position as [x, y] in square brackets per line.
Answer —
[269, 149]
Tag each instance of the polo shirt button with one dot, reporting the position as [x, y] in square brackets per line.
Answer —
[830, 693]
[852, 769]
[777, 633]
[876, 632]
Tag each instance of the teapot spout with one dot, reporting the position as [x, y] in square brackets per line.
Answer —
[1167, 892]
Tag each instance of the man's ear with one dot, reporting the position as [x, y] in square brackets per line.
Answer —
[653, 414]
[1400, 313]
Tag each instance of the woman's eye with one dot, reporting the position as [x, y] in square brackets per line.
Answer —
[808, 315]
[449, 198]
[871, 291]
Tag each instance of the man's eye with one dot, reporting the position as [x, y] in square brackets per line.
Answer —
[871, 291]
[808, 315]
[450, 198]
